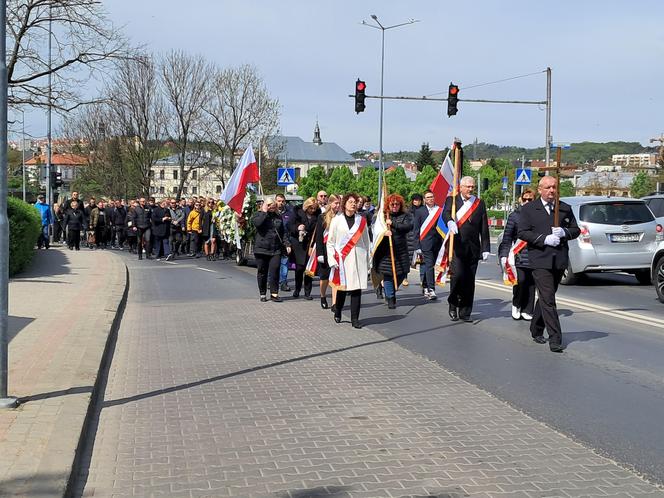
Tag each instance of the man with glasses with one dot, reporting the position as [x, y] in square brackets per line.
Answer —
[140, 218]
[523, 292]
[429, 242]
[286, 213]
[194, 228]
[470, 227]
[178, 226]
[321, 199]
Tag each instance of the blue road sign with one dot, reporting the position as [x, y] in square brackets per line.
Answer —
[523, 176]
[505, 180]
[285, 176]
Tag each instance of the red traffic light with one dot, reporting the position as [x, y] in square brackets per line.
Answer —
[361, 86]
[454, 89]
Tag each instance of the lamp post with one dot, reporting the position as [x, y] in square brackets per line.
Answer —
[382, 28]
[23, 152]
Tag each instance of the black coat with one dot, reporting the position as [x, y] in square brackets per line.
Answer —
[535, 224]
[160, 228]
[74, 219]
[140, 217]
[321, 250]
[119, 216]
[414, 234]
[206, 223]
[300, 249]
[270, 234]
[473, 237]
[433, 240]
[402, 225]
[510, 234]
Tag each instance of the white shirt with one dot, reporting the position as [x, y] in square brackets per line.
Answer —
[548, 207]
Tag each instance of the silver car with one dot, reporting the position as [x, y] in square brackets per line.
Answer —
[617, 234]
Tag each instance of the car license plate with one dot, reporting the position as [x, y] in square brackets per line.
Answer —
[625, 237]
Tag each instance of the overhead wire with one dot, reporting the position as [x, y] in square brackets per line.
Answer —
[491, 82]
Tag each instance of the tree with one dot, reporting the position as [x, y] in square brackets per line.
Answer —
[186, 81]
[315, 181]
[397, 183]
[424, 180]
[425, 157]
[240, 111]
[641, 185]
[367, 182]
[341, 181]
[567, 189]
[84, 42]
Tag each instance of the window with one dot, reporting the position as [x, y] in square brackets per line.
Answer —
[194, 190]
[184, 190]
[153, 190]
[218, 189]
[174, 190]
[616, 213]
[175, 174]
[194, 175]
[161, 190]
[162, 174]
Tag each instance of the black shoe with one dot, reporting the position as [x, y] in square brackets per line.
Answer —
[169, 257]
[140, 257]
[539, 339]
[308, 297]
[276, 299]
[263, 299]
[337, 318]
[323, 303]
[356, 324]
[333, 308]
[391, 303]
[284, 287]
[466, 319]
[556, 348]
[454, 314]
[296, 294]
[379, 292]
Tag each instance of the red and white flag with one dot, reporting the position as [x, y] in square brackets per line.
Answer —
[441, 186]
[245, 173]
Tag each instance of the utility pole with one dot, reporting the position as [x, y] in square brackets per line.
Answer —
[549, 138]
[660, 139]
[49, 192]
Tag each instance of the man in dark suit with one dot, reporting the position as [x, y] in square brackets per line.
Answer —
[548, 257]
[428, 241]
[471, 244]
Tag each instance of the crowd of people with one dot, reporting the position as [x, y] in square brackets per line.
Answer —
[331, 237]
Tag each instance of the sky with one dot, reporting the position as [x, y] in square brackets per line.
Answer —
[605, 56]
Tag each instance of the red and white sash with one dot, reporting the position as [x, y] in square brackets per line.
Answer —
[509, 270]
[442, 260]
[312, 262]
[430, 222]
[343, 248]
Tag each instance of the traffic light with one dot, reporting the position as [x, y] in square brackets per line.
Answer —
[56, 179]
[360, 87]
[452, 99]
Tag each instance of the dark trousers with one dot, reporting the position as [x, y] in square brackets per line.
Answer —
[57, 231]
[355, 303]
[268, 264]
[389, 285]
[143, 241]
[546, 313]
[175, 242]
[523, 293]
[159, 248]
[194, 242]
[42, 240]
[462, 285]
[300, 277]
[74, 238]
[118, 236]
[428, 262]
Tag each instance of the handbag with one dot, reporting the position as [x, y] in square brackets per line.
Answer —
[91, 238]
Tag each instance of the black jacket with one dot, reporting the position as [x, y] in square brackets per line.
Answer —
[433, 240]
[271, 238]
[206, 223]
[510, 235]
[140, 217]
[74, 219]
[300, 249]
[414, 235]
[535, 224]
[160, 228]
[402, 225]
[473, 237]
[119, 216]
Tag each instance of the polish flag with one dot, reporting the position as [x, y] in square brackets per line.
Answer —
[442, 184]
[245, 173]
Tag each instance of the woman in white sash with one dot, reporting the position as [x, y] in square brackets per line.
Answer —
[348, 254]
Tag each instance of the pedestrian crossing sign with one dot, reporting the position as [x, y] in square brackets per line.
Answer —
[523, 176]
[285, 176]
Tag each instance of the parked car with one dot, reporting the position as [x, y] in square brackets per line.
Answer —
[617, 234]
[656, 204]
[657, 271]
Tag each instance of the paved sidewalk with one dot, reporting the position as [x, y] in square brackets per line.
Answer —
[218, 395]
[61, 311]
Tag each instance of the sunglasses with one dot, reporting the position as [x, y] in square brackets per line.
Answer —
[527, 199]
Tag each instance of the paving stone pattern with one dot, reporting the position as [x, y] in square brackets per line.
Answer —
[245, 399]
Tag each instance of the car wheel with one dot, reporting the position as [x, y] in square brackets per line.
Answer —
[644, 277]
[569, 277]
[658, 278]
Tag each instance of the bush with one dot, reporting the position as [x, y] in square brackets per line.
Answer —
[24, 228]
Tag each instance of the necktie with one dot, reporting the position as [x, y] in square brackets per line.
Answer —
[549, 208]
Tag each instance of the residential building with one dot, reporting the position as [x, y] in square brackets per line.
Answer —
[204, 178]
[67, 164]
[635, 160]
[616, 184]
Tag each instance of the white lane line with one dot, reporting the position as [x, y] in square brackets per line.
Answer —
[584, 305]
[206, 269]
[170, 263]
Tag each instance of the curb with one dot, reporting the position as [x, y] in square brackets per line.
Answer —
[96, 398]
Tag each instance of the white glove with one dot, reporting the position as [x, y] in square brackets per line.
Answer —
[552, 240]
[558, 232]
[503, 261]
[418, 251]
[452, 227]
[485, 256]
[334, 266]
[321, 259]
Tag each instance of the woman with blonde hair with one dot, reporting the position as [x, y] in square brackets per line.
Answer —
[302, 227]
[322, 227]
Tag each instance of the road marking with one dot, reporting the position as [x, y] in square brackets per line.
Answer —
[170, 263]
[602, 310]
[206, 269]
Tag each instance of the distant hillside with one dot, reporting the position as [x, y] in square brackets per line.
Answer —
[579, 153]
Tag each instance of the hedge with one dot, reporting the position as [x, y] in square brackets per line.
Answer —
[24, 228]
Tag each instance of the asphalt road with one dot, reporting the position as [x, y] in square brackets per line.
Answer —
[606, 391]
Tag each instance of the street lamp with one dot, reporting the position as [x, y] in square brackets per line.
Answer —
[23, 152]
[382, 28]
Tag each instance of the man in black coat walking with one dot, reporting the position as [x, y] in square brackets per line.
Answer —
[140, 219]
[547, 256]
[429, 241]
[471, 244]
